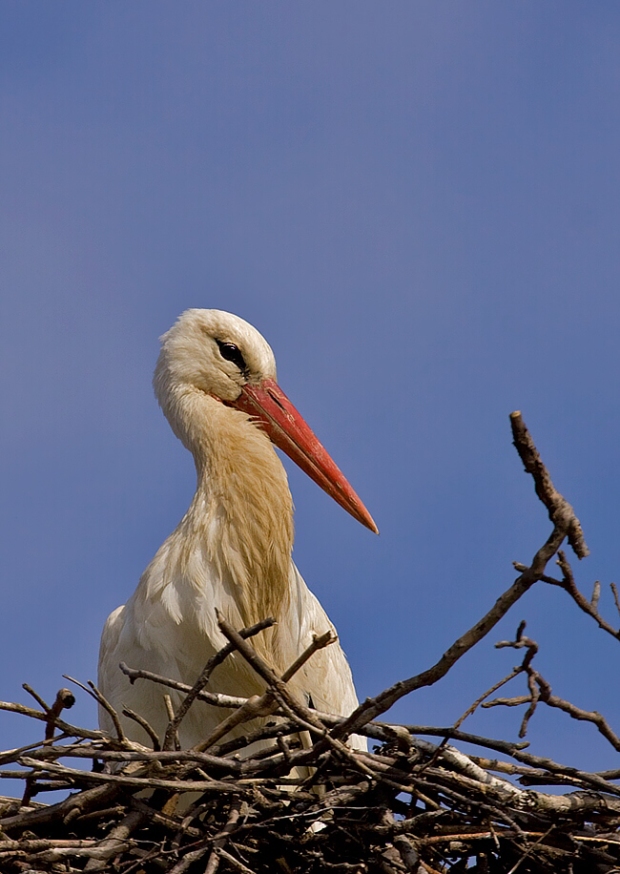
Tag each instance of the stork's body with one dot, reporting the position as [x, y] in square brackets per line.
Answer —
[232, 550]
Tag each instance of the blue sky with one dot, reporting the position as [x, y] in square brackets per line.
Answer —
[417, 203]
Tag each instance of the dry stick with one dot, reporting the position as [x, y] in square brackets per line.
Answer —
[534, 699]
[94, 692]
[189, 859]
[174, 740]
[257, 705]
[560, 511]
[89, 777]
[65, 699]
[264, 732]
[65, 727]
[540, 690]
[520, 642]
[565, 523]
[295, 711]
[525, 794]
[36, 696]
[35, 845]
[113, 843]
[7, 756]
[215, 698]
[220, 842]
[529, 850]
[204, 677]
[408, 853]
[318, 642]
[156, 816]
[569, 586]
[161, 756]
[577, 713]
[600, 786]
[65, 810]
[614, 590]
[473, 707]
[145, 725]
[234, 863]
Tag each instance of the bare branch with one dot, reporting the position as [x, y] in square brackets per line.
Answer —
[143, 723]
[540, 690]
[560, 511]
[65, 699]
[94, 692]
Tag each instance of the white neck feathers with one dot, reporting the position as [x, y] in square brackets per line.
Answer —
[241, 517]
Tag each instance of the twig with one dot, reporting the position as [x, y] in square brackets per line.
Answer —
[560, 511]
[65, 699]
[215, 698]
[614, 590]
[189, 859]
[473, 707]
[255, 706]
[89, 777]
[318, 642]
[235, 863]
[143, 723]
[94, 692]
[540, 690]
[65, 727]
[220, 842]
[28, 688]
[112, 844]
[591, 716]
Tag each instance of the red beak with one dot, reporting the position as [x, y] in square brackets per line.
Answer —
[267, 404]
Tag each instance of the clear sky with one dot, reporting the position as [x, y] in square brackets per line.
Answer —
[417, 203]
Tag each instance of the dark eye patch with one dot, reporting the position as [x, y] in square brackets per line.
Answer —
[230, 352]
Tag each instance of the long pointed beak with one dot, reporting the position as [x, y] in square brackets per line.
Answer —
[269, 406]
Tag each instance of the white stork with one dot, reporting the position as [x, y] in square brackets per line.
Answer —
[215, 380]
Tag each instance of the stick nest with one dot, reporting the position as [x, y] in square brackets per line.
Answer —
[306, 801]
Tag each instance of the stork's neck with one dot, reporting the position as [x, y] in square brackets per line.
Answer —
[242, 513]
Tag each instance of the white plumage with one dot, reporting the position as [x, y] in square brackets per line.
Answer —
[215, 381]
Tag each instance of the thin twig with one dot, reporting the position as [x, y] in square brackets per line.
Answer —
[143, 723]
[94, 692]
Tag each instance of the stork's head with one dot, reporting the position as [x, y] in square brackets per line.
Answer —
[216, 352]
[225, 357]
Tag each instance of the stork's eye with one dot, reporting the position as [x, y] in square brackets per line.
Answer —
[232, 353]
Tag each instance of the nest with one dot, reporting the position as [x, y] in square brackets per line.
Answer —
[308, 801]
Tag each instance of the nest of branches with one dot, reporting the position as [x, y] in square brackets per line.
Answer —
[305, 799]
